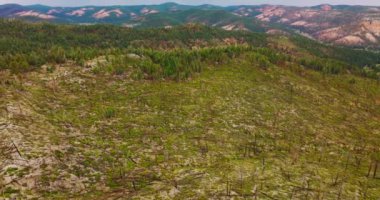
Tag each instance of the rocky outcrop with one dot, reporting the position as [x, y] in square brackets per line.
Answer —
[359, 27]
[79, 12]
[106, 13]
[32, 13]
[146, 11]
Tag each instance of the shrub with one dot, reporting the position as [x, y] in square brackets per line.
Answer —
[109, 112]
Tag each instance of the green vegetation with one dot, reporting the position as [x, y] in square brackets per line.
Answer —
[202, 113]
[26, 47]
[351, 56]
[32, 45]
[207, 17]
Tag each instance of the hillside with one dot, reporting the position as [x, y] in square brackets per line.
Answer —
[33, 45]
[355, 26]
[343, 25]
[104, 112]
[214, 18]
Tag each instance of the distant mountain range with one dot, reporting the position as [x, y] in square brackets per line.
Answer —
[343, 25]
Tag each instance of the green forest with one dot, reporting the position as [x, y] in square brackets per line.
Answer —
[25, 47]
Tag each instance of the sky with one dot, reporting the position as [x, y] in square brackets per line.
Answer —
[191, 2]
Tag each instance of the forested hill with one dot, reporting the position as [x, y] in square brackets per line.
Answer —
[154, 16]
[354, 26]
[26, 46]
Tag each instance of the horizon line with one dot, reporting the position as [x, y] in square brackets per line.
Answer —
[223, 6]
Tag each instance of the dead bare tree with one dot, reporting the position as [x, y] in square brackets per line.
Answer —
[374, 164]
[7, 149]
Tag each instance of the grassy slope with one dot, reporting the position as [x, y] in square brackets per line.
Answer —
[277, 133]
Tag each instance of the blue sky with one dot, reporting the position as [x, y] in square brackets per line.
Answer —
[189, 2]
